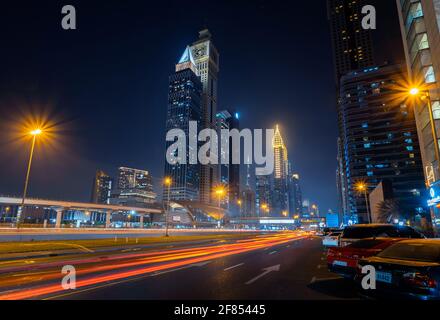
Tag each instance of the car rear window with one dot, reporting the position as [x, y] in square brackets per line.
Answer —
[381, 231]
[426, 252]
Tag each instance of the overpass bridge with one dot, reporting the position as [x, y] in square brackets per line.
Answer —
[60, 206]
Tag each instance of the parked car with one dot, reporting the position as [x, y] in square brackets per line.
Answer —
[362, 231]
[331, 239]
[344, 260]
[406, 269]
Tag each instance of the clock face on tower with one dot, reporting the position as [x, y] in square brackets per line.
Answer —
[199, 52]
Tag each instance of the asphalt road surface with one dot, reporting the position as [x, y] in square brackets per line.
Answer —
[279, 267]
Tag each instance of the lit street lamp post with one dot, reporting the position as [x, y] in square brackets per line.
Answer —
[34, 134]
[362, 187]
[168, 182]
[425, 94]
[220, 192]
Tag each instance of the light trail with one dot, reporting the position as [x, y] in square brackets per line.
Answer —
[166, 260]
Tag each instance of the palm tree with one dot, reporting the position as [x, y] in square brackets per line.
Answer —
[388, 211]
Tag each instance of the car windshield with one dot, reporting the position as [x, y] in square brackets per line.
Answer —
[380, 231]
[426, 252]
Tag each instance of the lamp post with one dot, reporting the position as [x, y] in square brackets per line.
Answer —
[220, 192]
[424, 94]
[362, 187]
[34, 133]
[167, 182]
[239, 202]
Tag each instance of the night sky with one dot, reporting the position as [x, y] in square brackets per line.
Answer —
[105, 84]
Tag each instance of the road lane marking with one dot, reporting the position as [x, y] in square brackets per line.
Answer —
[233, 267]
[266, 271]
[288, 246]
[272, 252]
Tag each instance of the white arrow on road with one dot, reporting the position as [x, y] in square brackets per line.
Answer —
[266, 271]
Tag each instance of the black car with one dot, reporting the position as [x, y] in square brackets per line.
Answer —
[363, 231]
[408, 269]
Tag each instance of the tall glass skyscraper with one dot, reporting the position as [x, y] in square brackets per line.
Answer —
[206, 60]
[280, 197]
[352, 50]
[229, 174]
[381, 141]
[102, 187]
[184, 105]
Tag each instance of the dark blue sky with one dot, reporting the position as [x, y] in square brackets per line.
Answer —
[106, 83]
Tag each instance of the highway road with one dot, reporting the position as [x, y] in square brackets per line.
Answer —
[285, 266]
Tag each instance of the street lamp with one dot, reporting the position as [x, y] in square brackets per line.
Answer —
[239, 202]
[424, 94]
[220, 192]
[361, 187]
[168, 181]
[34, 133]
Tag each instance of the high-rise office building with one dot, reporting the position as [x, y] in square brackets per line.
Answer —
[263, 195]
[295, 195]
[280, 196]
[248, 201]
[420, 29]
[134, 188]
[102, 187]
[229, 174]
[352, 45]
[380, 138]
[184, 105]
[206, 59]
[352, 50]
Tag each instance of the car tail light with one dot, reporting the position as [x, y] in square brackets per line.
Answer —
[419, 280]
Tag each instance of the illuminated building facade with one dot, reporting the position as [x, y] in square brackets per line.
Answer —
[263, 196]
[280, 195]
[229, 174]
[134, 188]
[420, 29]
[184, 105]
[381, 139]
[206, 60]
[102, 187]
[295, 195]
[352, 50]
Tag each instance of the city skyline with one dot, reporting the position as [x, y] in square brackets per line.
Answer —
[82, 104]
[224, 150]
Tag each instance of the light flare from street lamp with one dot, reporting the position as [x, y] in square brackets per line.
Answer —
[36, 132]
[414, 91]
[168, 181]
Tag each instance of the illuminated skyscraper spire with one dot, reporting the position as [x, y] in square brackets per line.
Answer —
[280, 155]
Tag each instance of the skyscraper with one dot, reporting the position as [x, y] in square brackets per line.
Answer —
[295, 195]
[102, 187]
[352, 50]
[352, 45]
[134, 188]
[263, 198]
[280, 196]
[184, 105]
[420, 29]
[229, 174]
[206, 59]
[380, 137]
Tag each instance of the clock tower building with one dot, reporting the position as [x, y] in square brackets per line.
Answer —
[206, 59]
